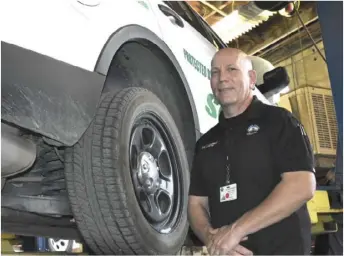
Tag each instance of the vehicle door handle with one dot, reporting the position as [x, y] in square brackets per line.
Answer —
[169, 12]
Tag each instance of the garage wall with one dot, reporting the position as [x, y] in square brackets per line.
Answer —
[307, 68]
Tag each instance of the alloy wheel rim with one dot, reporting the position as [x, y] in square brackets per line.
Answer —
[155, 173]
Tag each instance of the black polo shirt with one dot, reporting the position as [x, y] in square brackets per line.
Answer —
[261, 143]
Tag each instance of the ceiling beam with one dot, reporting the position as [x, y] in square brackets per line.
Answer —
[214, 8]
[220, 8]
[292, 45]
[275, 29]
[281, 36]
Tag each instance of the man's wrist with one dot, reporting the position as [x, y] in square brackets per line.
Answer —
[207, 233]
[240, 228]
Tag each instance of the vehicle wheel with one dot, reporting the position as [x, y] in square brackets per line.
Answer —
[60, 245]
[128, 177]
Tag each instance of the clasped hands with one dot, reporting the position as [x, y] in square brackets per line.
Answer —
[225, 241]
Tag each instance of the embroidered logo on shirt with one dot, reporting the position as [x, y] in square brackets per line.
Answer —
[252, 129]
[212, 144]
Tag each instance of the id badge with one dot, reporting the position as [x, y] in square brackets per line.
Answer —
[228, 193]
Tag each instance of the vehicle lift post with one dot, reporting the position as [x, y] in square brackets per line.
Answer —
[331, 23]
[330, 15]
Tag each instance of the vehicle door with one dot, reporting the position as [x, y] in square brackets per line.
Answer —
[192, 46]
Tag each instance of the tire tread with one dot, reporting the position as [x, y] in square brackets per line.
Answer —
[112, 230]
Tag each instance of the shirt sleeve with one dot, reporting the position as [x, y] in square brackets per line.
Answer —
[293, 151]
[197, 184]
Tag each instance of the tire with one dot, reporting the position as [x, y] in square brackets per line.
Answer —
[99, 168]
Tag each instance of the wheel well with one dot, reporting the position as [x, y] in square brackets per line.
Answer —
[141, 63]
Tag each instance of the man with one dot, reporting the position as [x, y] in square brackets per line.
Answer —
[252, 173]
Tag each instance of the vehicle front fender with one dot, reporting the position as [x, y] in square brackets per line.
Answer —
[47, 96]
[143, 35]
[58, 100]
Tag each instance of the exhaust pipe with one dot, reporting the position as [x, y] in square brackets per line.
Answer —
[17, 153]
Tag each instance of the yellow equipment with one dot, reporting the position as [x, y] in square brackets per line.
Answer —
[314, 108]
[7, 243]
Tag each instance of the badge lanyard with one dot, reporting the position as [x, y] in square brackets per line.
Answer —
[228, 192]
[228, 169]
[227, 152]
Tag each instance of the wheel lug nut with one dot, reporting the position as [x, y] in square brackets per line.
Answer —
[148, 183]
[144, 168]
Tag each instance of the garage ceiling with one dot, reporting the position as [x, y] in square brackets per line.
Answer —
[214, 11]
[241, 25]
[230, 19]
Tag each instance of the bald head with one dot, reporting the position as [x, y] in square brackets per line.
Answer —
[234, 54]
[232, 77]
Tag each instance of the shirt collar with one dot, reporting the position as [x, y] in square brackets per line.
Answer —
[253, 111]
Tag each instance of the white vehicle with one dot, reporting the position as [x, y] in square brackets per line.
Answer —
[101, 108]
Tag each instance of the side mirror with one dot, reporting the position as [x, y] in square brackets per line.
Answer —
[274, 81]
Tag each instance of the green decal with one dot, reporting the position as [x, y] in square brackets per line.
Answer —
[185, 54]
[208, 73]
[202, 69]
[144, 4]
[210, 107]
